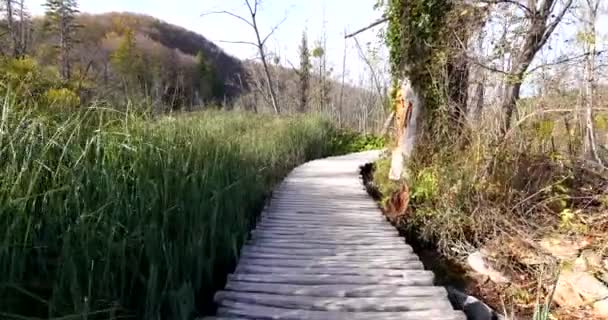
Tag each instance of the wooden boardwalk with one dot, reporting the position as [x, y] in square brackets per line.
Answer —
[322, 251]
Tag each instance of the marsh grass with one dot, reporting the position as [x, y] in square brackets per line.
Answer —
[107, 214]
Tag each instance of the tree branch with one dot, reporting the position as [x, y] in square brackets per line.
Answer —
[564, 60]
[373, 24]
[372, 70]
[234, 15]
[253, 10]
[293, 68]
[240, 42]
[514, 2]
[273, 30]
[551, 27]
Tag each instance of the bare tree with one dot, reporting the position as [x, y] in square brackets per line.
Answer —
[542, 18]
[252, 7]
[590, 41]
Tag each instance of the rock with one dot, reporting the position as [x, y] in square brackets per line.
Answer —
[576, 289]
[590, 261]
[478, 262]
[563, 248]
[472, 307]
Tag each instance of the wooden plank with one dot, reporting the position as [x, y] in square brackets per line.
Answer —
[381, 304]
[323, 232]
[325, 228]
[374, 248]
[273, 257]
[330, 237]
[337, 271]
[319, 254]
[420, 279]
[339, 290]
[326, 225]
[312, 242]
[272, 313]
[341, 220]
[319, 263]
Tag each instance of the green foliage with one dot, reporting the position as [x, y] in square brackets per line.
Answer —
[207, 78]
[542, 308]
[425, 186]
[27, 83]
[108, 215]
[127, 59]
[348, 141]
[61, 98]
[318, 52]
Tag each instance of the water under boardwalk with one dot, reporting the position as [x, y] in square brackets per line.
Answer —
[322, 250]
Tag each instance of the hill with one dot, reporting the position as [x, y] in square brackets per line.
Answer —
[178, 67]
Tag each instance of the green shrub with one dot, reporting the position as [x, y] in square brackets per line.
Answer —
[25, 80]
[348, 141]
[61, 98]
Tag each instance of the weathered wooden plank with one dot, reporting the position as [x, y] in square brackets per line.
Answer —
[353, 241]
[326, 225]
[331, 219]
[374, 248]
[335, 270]
[329, 237]
[328, 256]
[339, 290]
[323, 229]
[272, 257]
[381, 304]
[272, 313]
[419, 279]
[307, 263]
[319, 233]
[325, 255]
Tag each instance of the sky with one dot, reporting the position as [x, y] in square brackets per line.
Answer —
[310, 15]
[314, 16]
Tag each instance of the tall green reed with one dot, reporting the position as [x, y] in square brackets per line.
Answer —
[106, 214]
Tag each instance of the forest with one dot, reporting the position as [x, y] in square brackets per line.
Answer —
[135, 154]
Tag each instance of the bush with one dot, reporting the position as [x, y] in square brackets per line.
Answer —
[25, 80]
[61, 98]
[347, 141]
[107, 214]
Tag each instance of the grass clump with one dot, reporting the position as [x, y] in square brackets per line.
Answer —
[106, 214]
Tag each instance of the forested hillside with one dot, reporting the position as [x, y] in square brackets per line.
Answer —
[125, 54]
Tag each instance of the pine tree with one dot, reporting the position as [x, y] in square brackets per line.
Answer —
[204, 76]
[62, 19]
[304, 73]
[127, 59]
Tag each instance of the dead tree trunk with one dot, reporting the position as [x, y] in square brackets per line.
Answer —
[406, 123]
[590, 147]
